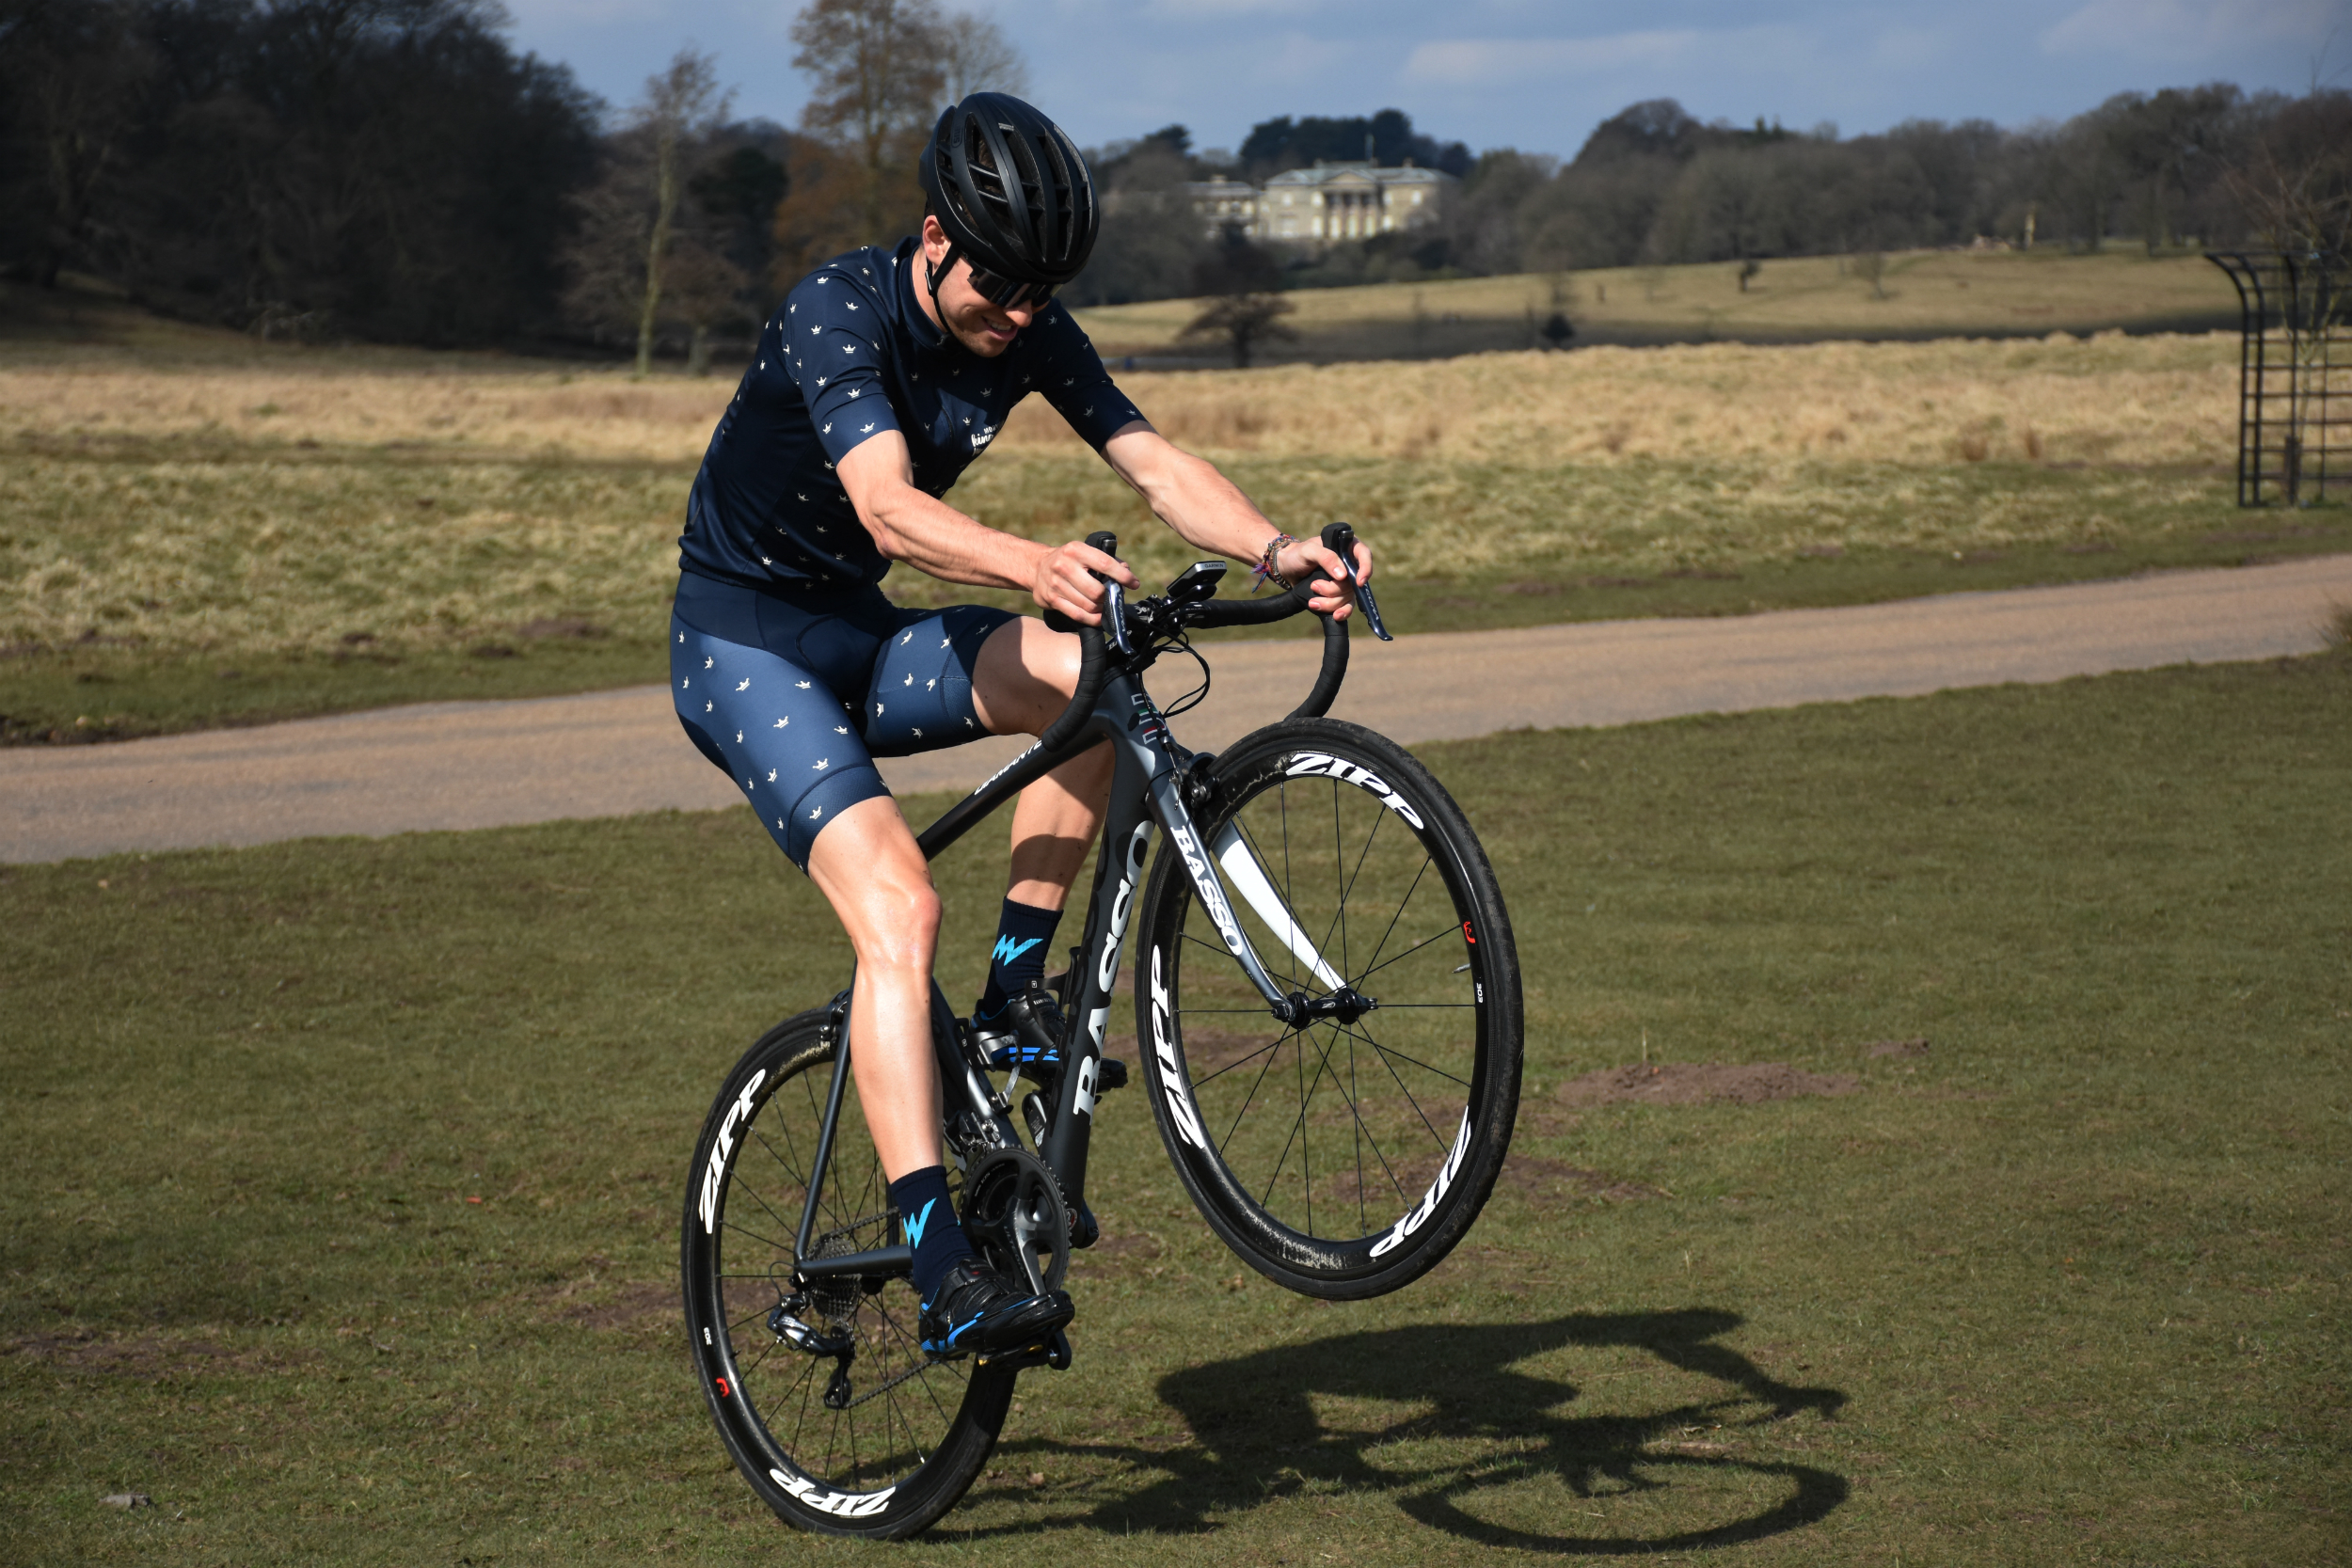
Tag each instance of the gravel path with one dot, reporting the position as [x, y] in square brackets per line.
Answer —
[479, 764]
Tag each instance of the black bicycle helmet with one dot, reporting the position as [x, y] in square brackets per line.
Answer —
[1011, 193]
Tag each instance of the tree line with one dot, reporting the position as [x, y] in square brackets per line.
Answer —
[395, 170]
[1652, 184]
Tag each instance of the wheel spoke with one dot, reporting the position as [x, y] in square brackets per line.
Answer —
[1407, 1093]
[1402, 905]
[888, 1430]
[1448, 931]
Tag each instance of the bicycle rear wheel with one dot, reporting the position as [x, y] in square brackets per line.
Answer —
[1345, 1157]
[826, 1400]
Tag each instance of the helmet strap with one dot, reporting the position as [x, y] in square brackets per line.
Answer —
[934, 275]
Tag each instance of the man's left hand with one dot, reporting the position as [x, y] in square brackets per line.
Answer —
[1307, 558]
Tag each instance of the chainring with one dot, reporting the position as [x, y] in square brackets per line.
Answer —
[1013, 1212]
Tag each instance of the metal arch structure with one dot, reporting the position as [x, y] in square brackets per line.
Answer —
[2295, 376]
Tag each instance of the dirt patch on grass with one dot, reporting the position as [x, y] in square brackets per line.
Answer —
[144, 1358]
[1901, 1050]
[1701, 1084]
[1536, 1174]
[632, 1306]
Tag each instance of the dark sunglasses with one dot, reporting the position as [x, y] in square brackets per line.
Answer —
[1010, 293]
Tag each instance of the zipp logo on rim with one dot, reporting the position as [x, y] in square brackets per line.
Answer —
[716, 1171]
[1316, 764]
[844, 1505]
[1419, 1213]
[1172, 1076]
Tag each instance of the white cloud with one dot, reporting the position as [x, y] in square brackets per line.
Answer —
[544, 15]
[1484, 62]
[2188, 30]
[1663, 55]
[1212, 10]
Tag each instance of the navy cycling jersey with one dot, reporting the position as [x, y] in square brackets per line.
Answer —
[850, 354]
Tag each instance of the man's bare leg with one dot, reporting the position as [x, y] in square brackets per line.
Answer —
[1019, 684]
[866, 864]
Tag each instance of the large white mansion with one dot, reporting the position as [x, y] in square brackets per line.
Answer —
[1329, 201]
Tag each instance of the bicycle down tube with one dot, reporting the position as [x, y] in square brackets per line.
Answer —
[1147, 790]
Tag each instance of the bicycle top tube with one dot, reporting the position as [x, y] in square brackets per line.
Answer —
[1150, 626]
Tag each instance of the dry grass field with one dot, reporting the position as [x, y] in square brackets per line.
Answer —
[286, 506]
[198, 507]
[1923, 294]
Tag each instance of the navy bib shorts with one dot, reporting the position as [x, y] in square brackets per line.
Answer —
[793, 702]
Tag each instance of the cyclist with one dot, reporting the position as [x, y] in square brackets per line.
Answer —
[884, 374]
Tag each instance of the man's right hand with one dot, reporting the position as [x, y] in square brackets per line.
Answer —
[1064, 580]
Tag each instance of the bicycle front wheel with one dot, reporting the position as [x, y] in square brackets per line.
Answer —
[1343, 1157]
[825, 1398]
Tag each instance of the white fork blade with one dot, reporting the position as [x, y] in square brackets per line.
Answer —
[1244, 876]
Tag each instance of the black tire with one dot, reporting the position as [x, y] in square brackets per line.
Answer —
[1346, 1159]
[916, 1431]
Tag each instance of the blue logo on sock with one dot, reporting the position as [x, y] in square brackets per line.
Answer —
[915, 1223]
[1008, 950]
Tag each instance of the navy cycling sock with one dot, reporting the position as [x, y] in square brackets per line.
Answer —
[1024, 935]
[930, 1217]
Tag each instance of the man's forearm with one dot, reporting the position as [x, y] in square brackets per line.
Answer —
[931, 536]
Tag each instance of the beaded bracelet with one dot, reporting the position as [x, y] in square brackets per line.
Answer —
[1263, 571]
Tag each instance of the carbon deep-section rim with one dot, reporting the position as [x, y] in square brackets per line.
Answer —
[1343, 1159]
[908, 1434]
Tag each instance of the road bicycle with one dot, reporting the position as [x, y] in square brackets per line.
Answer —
[1328, 1024]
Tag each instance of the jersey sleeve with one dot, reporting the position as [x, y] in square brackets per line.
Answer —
[1071, 377]
[834, 329]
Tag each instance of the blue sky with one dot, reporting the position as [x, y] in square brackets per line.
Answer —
[1536, 74]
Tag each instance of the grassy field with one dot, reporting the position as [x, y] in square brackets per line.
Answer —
[225, 532]
[348, 1173]
[1922, 294]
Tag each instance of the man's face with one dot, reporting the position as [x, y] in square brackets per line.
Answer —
[986, 329]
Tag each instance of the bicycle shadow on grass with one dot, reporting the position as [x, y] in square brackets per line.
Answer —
[1471, 1432]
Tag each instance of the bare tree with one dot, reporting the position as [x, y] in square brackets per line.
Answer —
[681, 106]
[1244, 320]
[2294, 185]
[79, 64]
[880, 81]
[1246, 310]
[976, 57]
[640, 254]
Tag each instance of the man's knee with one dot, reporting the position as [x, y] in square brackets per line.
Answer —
[901, 926]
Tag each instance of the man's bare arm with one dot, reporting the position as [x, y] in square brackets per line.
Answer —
[1189, 496]
[928, 534]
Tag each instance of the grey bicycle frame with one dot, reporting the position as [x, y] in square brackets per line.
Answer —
[1147, 790]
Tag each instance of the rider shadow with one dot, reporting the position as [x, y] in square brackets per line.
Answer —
[1452, 1422]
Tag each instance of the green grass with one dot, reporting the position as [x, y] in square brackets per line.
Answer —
[2069, 1287]
[151, 588]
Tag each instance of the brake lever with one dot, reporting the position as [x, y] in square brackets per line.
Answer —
[1115, 616]
[1363, 596]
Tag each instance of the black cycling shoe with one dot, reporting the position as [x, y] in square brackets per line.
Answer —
[978, 1310]
[1025, 1031]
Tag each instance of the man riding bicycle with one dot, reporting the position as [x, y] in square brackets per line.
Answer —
[884, 374]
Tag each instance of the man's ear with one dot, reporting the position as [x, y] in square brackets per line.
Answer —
[934, 238]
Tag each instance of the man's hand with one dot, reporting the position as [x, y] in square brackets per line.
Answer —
[1065, 580]
[1310, 557]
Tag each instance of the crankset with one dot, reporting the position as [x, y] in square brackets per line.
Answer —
[1014, 1213]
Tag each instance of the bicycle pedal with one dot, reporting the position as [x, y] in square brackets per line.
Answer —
[1053, 1351]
